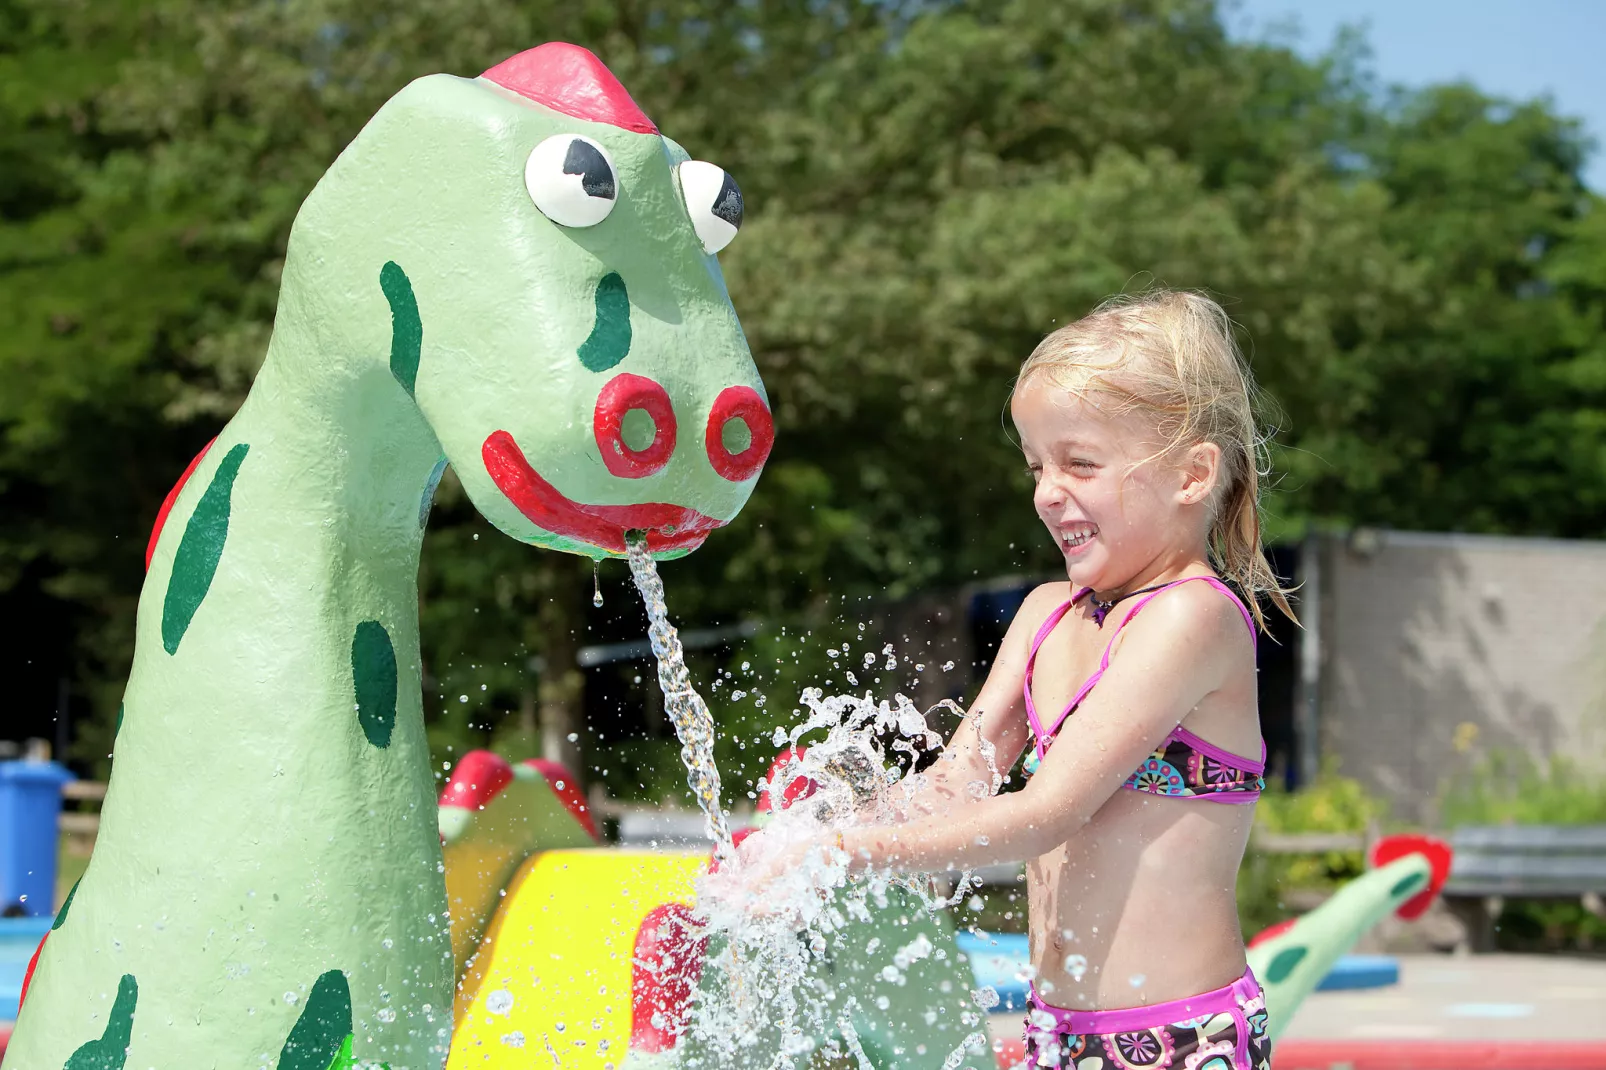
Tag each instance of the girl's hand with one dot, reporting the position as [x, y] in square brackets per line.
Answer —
[772, 874]
[763, 862]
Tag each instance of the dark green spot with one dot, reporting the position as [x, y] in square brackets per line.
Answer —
[406, 329]
[111, 1050]
[1406, 883]
[323, 1031]
[66, 904]
[373, 670]
[609, 342]
[199, 551]
[1283, 964]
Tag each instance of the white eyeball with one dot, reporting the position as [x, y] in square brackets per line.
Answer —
[572, 180]
[714, 201]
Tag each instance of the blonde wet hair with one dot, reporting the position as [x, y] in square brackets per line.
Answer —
[1171, 355]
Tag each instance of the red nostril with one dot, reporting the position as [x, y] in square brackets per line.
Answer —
[626, 408]
[740, 433]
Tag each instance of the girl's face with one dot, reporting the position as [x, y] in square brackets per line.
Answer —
[1117, 509]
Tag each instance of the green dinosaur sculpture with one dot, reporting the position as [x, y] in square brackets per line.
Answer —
[513, 274]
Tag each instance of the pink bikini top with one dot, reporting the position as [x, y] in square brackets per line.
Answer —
[1183, 766]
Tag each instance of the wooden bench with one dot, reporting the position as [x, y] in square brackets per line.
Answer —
[1498, 862]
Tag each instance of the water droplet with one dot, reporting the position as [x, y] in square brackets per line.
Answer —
[499, 1002]
[386, 1014]
[985, 997]
[596, 584]
[387, 943]
[1076, 966]
[1137, 979]
[514, 1039]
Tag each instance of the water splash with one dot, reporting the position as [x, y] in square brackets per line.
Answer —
[771, 993]
[686, 709]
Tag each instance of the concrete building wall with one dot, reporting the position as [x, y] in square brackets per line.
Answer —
[1436, 650]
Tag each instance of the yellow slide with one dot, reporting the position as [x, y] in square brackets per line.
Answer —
[556, 968]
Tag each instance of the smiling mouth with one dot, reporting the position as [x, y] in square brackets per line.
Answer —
[1077, 535]
[668, 527]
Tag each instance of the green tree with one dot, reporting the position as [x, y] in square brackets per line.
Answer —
[931, 187]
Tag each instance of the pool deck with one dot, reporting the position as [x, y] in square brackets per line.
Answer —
[1498, 1011]
[1458, 997]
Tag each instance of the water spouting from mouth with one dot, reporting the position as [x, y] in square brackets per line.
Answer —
[686, 709]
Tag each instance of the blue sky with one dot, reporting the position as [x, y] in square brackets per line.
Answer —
[1512, 48]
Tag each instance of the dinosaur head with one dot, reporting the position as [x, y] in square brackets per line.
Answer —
[556, 309]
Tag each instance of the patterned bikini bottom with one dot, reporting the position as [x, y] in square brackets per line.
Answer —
[1220, 1030]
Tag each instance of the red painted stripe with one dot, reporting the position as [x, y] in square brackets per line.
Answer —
[27, 978]
[1303, 1054]
[167, 504]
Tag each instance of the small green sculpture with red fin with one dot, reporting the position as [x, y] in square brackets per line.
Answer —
[513, 274]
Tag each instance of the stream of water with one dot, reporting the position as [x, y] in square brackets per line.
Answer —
[686, 709]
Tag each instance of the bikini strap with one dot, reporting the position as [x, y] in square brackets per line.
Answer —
[1031, 662]
[1048, 626]
[1104, 661]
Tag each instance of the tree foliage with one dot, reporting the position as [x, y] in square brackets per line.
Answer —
[932, 186]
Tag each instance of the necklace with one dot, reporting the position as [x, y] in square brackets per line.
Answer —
[1102, 609]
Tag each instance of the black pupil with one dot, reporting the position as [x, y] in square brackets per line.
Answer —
[728, 205]
[596, 177]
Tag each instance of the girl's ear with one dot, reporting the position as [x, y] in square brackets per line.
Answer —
[1201, 468]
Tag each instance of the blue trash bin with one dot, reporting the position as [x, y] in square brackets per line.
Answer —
[30, 804]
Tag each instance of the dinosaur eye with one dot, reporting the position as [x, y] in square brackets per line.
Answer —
[572, 180]
[714, 201]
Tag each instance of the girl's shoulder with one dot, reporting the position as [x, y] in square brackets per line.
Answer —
[1199, 609]
[1041, 606]
[1043, 601]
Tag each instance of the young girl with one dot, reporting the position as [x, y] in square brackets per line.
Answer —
[1132, 690]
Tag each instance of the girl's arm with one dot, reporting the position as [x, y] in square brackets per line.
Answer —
[997, 718]
[1170, 658]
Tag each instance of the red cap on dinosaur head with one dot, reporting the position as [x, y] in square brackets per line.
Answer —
[571, 80]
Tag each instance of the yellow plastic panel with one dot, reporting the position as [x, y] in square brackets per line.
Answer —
[554, 968]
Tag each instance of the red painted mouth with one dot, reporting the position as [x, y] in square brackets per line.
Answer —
[668, 527]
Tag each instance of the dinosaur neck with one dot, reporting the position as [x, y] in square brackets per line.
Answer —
[317, 578]
[348, 464]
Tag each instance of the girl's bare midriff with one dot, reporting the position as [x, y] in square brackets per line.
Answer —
[1145, 895]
